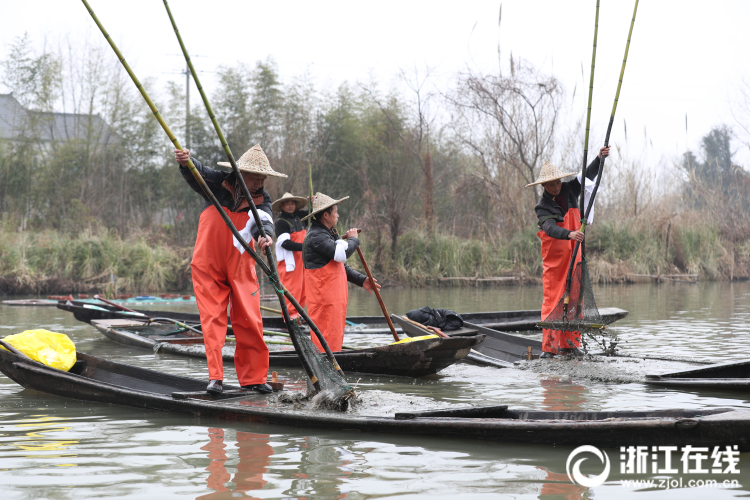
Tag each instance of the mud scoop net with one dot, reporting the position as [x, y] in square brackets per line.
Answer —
[577, 312]
[327, 385]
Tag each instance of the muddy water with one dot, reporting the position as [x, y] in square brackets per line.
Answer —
[56, 448]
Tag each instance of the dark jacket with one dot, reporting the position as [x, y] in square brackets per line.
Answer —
[550, 213]
[291, 223]
[216, 181]
[320, 246]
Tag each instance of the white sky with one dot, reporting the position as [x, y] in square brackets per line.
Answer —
[685, 56]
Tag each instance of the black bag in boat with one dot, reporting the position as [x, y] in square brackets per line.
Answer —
[439, 318]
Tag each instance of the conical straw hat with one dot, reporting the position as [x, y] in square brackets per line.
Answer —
[255, 161]
[301, 202]
[549, 173]
[321, 202]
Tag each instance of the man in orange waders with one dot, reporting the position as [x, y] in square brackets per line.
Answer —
[223, 274]
[559, 221]
[290, 233]
[326, 272]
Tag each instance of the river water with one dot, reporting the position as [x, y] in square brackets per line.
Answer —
[57, 448]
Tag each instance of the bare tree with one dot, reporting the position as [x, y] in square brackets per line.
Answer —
[416, 137]
[509, 123]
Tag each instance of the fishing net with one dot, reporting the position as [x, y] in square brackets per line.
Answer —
[334, 392]
[578, 314]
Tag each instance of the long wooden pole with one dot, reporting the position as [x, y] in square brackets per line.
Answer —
[377, 293]
[281, 291]
[601, 168]
[588, 118]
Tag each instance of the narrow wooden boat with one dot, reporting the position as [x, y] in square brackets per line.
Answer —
[411, 359]
[497, 345]
[101, 381]
[31, 302]
[498, 320]
[730, 376]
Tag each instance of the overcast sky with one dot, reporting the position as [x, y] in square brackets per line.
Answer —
[686, 57]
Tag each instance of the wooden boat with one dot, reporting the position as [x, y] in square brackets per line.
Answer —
[497, 345]
[411, 359]
[499, 320]
[31, 302]
[731, 376]
[101, 381]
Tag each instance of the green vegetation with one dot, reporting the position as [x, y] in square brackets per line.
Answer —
[89, 259]
[436, 181]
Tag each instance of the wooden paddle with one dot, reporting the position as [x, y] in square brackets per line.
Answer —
[377, 292]
[270, 309]
[429, 329]
[99, 297]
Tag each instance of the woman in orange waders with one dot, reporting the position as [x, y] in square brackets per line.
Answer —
[224, 274]
[290, 233]
[559, 221]
[326, 272]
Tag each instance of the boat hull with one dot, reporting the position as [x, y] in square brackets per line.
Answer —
[104, 381]
[412, 359]
[734, 375]
[498, 320]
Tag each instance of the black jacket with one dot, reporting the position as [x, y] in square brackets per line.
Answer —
[215, 180]
[291, 223]
[550, 213]
[320, 246]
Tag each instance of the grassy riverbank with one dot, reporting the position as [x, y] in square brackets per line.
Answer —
[55, 262]
[615, 250]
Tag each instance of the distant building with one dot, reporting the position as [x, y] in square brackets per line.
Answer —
[18, 123]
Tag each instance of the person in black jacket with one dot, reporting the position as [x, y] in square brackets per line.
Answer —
[559, 221]
[559, 197]
[326, 272]
[223, 275]
[290, 233]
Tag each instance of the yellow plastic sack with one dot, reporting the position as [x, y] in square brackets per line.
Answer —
[52, 349]
[413, 339]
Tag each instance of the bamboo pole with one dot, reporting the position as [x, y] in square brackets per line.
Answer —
[309, 178]
[588, 118]
[601, 168]
[272, 274]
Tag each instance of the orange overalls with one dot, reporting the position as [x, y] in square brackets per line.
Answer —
[555, 260]
[222, 276]
[295, 280]
[254, 456]
[327, 292]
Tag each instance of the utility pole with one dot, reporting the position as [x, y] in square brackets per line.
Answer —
[187, 73]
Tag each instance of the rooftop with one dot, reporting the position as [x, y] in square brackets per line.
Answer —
[17, 122]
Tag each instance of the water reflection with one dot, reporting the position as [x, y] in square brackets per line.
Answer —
[558, 485]
[254, 453]
[37, 434]
[562, 395]
[322, 469]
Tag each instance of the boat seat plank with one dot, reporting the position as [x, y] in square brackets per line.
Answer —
[471, 412]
